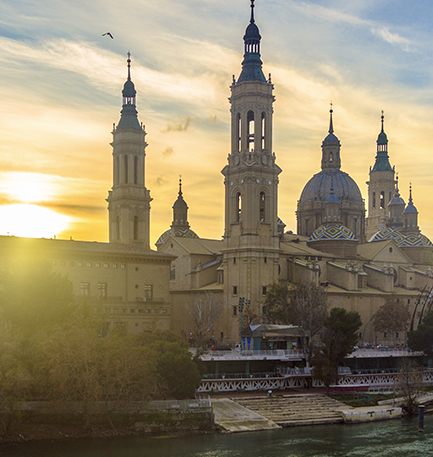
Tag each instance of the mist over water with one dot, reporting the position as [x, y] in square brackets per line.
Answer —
[396, 438]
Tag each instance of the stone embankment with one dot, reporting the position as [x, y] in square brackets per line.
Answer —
[264, 413]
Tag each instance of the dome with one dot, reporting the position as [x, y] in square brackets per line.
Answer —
[410, 208]
[252, 32]
[180, 202]
[129, 89]
[403, 241]
[331, 139]
[317, 188]
[333, 232]
[382, 138]
[396, 200]
[184, 233]
[332, 198]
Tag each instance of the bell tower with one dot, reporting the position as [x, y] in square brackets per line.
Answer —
[381, 186]
[129, 200]
[251, 253]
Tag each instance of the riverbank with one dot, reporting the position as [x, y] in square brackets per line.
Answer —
[37, 430]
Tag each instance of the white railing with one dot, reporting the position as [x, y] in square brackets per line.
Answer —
[235, 354]
[390, 352]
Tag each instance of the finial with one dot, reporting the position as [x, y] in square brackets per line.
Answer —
[129, 66]
[410, 192]
[180, 185]
[331, 127]
[252, 11]
[382, 118]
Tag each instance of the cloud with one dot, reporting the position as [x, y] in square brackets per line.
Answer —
[159, 181]
[336, 16]
[393, 38]
[167, 152]
[181, 126]
[211, 119]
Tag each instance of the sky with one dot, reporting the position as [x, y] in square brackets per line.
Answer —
[61, 83]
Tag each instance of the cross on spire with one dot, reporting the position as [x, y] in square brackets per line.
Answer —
[129, 66]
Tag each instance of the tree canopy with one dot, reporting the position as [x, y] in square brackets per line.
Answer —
[338, 338]
[392, 317]
[33, 297]
[303, 305]
[421, 339]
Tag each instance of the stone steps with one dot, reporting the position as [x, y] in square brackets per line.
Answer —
[291, 410]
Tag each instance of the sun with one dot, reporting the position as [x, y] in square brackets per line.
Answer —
[31, 221]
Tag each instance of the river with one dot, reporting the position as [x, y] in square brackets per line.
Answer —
[396, 438]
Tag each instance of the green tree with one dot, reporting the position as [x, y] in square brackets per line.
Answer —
[178, 375]
[33, 297]
[392, 317]
[421, 339]
[279, 309]
[14, 378]
[338, 338]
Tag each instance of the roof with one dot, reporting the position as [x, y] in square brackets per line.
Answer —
[200, 245]
[271, 331]
[300, 249]
[332, 232]
[402, 240]
[317, 188]
[176, 232]
[71, 246]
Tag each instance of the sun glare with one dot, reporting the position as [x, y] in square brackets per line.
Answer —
[31, 221]
[28, 187]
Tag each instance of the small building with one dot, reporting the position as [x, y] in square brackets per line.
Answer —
[272, 337]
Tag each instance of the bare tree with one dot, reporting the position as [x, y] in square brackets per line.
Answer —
[310, 306]
[392, 317]
[409, 381]
[204, 311]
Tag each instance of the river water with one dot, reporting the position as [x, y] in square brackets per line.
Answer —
[396, 438]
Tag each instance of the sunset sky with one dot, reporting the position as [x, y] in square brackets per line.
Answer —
[61, 83]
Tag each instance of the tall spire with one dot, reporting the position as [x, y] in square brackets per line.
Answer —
[331, 127]
[180, 210]
[252, 64]
[128, 118]
[129, 66]
[382, 158]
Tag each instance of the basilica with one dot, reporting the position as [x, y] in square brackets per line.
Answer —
[360, 261]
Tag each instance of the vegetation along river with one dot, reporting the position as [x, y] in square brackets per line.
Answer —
[391, 438]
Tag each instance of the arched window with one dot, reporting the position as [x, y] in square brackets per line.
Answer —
[262, 207]
[374, 200]
[250, 118]
[382, 200]
[239, 131]
[135, 228]
[135, 170]
[125, 159]
[263, 129]
[238, 206]
[331, 156]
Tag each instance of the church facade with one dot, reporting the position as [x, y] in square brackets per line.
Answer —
[360, 261]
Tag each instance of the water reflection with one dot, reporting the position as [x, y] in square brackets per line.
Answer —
[395, 438]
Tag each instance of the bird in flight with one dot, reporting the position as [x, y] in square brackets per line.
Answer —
[109, 34]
